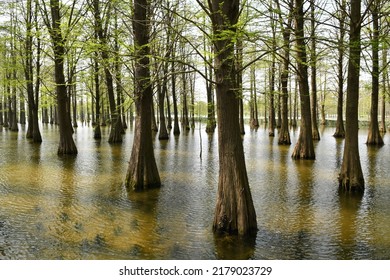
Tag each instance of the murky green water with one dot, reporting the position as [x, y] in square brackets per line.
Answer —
[76, 208]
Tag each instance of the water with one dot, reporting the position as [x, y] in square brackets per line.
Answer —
[77, 208]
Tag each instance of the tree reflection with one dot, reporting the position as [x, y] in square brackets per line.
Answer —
[234, 247]
[349, 205]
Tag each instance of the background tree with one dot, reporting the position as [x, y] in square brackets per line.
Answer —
[374, 137]
[272, 74]
[31, 21]
[385, 86]
[341, 16]
[211, 122]
[286, 27]
[102, 24]
[313, 68]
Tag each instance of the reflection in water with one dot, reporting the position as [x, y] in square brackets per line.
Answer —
[77, 208]
[234, 247]
[348, 244]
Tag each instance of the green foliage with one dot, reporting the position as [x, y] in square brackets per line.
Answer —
[181, 34]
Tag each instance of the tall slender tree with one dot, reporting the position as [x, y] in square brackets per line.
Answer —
[234, 212]
[286, 27]
[342, 12]
[304, 148]
[142, 172]
[351, 175]
[374, 136]
[102, 32]
[58, 40]
[272, 74]
[385, 88]
[313, 68]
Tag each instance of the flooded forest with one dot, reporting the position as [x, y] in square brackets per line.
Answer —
[219, 129]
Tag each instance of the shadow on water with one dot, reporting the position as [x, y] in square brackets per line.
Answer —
[234, 247]
[303, 244]
[349, 205]
[145, 238]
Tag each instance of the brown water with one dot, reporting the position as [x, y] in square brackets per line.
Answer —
[76, 207]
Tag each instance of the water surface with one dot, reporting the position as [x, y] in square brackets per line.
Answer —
[77, 208]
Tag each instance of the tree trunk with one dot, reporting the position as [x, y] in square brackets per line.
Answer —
[272, 70]
[22, 110]
[169, 116]
[313, 54]
[295, 107]
[374, 136]
[234, 211]
[176, 128]
[33, 131]
[185, 120]
[97, 134]
[5, 109]
[323, 97]
[116, 122]
[271, 115]
[120, 124]
[383, 107]
[153, 115]
[73, 95]
[340, 131]
[304, 149]
[142, 172]
[14, 124]
[284, 134]
[1, 112]
[279, 107]
[192, 80]
[239, 61]
[254, 121]
[66, 145]
[211, 122]
[351, 176]
[163, 133]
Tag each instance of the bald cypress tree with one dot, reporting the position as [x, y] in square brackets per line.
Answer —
[142, 172]
[234, 212]
[351, 176]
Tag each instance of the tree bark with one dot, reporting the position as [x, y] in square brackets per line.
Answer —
[239, 61]
[185, 119]
[97, 134]
[1, 112]
[161, 91]
[272, 70]
[116, 122]
[169, 116]
[313, 54]
[374, 136]
[254, 121]
[67, 144]
[284, 134]
[234, 212]
[340, 130]
[351, 176]
[271, 115]
[176, 128]
[211, 122]
[385, 75]
[304, 149]
[142, 172]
